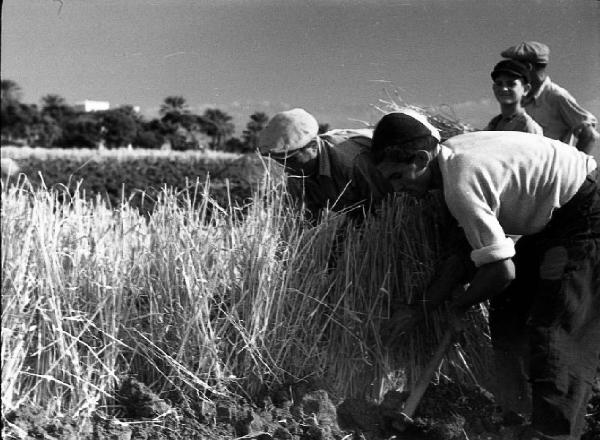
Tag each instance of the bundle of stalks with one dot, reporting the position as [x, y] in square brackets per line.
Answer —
[387, 263]
[441, 117]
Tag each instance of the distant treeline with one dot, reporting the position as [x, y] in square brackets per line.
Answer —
[55, 123]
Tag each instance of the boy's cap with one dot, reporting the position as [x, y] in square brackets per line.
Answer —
[511, 67]
[287, 131]
[528, 51]
[401, 127]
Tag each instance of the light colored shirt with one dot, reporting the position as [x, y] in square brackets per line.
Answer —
[499, 183]
[559, 115]
[516, 122]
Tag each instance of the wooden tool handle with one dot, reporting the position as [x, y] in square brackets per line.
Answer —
[421, 386]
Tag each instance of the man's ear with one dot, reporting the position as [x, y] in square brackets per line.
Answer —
[527, 88]
[312, 149]
[422, 159]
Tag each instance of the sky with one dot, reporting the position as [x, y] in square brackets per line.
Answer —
[335, 58]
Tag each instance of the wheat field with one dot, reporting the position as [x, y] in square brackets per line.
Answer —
[208, 300]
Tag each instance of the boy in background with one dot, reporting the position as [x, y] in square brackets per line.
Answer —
[552, 106]
[511, 84]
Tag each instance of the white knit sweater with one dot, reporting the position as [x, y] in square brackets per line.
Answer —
[499, 183]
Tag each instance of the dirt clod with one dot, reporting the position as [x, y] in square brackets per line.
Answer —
[139, 401]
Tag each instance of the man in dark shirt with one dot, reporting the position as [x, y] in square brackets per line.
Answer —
[332, 170]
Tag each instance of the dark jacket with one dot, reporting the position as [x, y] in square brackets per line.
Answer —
[346, 178]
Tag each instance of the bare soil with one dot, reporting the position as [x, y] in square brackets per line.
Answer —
[448, 411]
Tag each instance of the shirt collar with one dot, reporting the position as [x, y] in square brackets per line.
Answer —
[324, 162]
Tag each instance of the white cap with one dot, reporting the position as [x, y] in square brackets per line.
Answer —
[287, 131]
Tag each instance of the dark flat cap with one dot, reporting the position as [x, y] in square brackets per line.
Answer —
[513, 68]
[399, 128]
[529, 52]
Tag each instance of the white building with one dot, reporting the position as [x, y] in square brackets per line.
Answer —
[92, 106]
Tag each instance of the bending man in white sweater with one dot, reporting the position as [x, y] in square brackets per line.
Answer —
[545, 290]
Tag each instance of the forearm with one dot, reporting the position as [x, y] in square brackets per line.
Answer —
[587, 139]
[489, 280]
[452, 273]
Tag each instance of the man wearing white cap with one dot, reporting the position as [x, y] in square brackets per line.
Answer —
[331, 170]
[545, 289]
[551, 106]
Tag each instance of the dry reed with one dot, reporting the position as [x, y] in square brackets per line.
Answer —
[441, 117]
[203, 300]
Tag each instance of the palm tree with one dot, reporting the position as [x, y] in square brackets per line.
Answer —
[175, 115]
[55, 108]
[173, 106]
[11, 91]
[52, 101]
[257, 122]
[218, 125]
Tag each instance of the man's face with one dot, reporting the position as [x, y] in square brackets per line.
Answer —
[302, 161]
[538, 74]
[412, 177]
